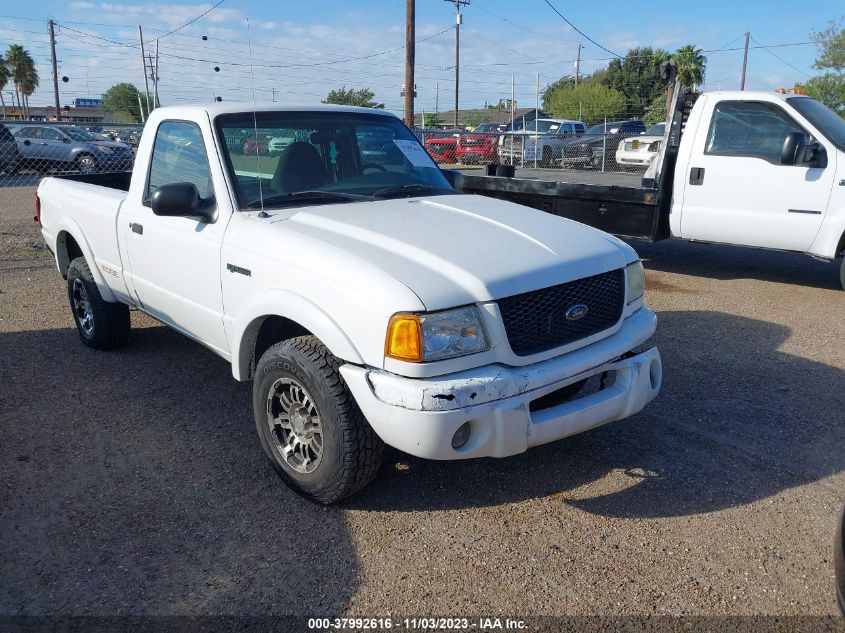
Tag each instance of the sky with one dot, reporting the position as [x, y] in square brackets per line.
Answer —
[300, 50]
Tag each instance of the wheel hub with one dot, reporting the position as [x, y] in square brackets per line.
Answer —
[82, 307]
[295, 425]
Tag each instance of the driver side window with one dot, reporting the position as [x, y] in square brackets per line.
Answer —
[179, 155]
[752, 129]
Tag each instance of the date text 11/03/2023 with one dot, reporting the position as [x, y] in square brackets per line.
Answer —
[416, 624]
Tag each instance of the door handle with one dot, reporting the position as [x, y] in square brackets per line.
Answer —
[696, 176]
[137, 228]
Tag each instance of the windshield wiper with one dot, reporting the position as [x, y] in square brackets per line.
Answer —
[409, 189]
[300, 196]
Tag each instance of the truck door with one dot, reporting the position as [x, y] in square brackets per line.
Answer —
[737, 191]
[174, 262]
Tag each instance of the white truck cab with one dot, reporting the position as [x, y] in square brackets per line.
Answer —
[368, 301]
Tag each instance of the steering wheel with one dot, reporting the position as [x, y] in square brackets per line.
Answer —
[366, 166]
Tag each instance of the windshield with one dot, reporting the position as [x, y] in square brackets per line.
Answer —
[656, 130]
[830, 124]
[596, 129]
[353, 155]
[78, 134]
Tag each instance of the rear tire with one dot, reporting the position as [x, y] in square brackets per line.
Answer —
[310, 425]
[101, 325]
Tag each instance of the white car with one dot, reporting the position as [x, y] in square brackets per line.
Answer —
[279, 142]
[345, 291]
[639, 151]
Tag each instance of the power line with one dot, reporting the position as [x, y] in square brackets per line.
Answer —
[580, 31]
[189, 22]
[519, 26]
[765, 48]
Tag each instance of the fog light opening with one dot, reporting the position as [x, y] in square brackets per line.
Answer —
[654, 375]
[461, 436]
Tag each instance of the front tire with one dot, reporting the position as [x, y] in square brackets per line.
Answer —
[310, 425]
[86, 164]
[842, 273]
[101, 325]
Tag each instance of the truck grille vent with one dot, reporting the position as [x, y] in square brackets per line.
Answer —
[536, 321]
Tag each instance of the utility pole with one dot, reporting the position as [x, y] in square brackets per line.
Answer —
[744, 60]
[458, 19]
[155, 79]
[578, 64]
[141, 109]
[55, 71]
[409, 62]
[144, 65]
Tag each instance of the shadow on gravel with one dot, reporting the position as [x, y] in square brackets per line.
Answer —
[717, 261]
[737, 421]
[133, 482]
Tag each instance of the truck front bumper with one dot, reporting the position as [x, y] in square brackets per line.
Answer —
[421, 415]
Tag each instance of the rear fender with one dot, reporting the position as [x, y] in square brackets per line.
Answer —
[68, 226]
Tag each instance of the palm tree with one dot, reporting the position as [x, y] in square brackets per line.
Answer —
[4, 79]
[22, 71]
[29, 83]
[691, 66]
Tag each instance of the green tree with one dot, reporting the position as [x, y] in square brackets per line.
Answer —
[691, 65]
[567, 81]
[637, 77]
[431, 120]
[363, 97]
[589, 101]
[121, 100]
[657, 110]
[831, 44]
[4, 79]
[829, 89]
[474, 119]
[23, 73]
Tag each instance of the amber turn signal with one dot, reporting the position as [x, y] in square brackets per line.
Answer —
[404, 338]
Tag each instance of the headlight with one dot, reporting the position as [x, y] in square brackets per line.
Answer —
[434, 336]
[634, 282]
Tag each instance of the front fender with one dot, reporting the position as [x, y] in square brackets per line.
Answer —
[242, 330]
[68, 226]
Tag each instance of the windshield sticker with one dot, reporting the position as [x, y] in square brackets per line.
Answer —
[414, 152]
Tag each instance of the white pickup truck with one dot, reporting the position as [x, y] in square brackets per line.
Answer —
[366, 299]
[761, 169]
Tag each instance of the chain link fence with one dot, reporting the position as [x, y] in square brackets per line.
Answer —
[29, 151]
[616, 146]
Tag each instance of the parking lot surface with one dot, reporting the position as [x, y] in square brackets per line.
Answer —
[133, 481]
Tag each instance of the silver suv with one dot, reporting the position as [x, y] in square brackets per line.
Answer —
[71, 148]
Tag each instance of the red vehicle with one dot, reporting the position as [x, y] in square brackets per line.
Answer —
[442, 146]
[476, 148]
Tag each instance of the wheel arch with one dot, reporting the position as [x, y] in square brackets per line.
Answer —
[70, 244]
[277, 316]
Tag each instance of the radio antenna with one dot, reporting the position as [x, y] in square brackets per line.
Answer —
[262, 213]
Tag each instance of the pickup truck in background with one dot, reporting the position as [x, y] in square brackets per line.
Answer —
[343, 287]
[541, 140]
[760, 169]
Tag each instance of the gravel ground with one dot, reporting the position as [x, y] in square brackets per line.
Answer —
[133, 481]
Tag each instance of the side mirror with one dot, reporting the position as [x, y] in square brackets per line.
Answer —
[797, 151]
[792, 151]
[181, 199]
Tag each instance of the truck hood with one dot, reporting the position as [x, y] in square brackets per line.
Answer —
[454, 250]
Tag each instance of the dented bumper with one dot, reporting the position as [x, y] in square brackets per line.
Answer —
[421, 415]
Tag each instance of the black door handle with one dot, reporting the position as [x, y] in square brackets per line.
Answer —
[137, 228]
[696, 176]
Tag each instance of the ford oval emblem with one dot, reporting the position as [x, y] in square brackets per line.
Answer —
[578, 311]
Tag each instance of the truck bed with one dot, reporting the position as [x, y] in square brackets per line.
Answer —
[112, 180]
[623, 204]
